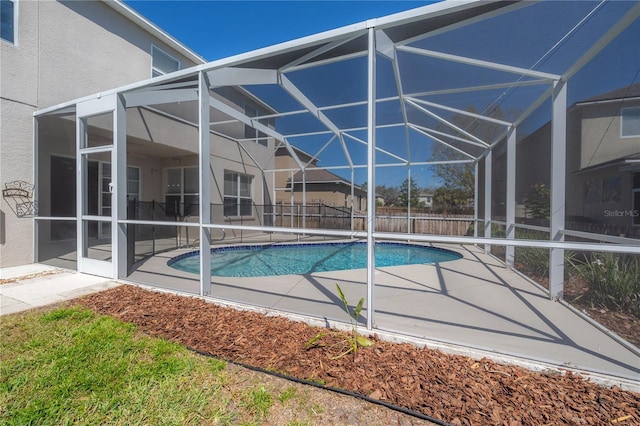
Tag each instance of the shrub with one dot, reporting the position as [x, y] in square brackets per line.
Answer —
[538, 203]
[613, 280]
[534, 259]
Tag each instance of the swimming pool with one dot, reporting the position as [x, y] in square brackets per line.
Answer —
[299, 259]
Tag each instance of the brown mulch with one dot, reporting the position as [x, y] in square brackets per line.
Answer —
[453, 388]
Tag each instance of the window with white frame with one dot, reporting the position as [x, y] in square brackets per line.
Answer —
[630, 122]
[162, 62]
[133, 183]
[237, 194]
[8, 21]
[250, 132]
[181, 191]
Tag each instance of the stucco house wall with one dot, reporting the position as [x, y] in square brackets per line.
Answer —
[598, 183]
[328, 191]
[63, 50]
[601, 134]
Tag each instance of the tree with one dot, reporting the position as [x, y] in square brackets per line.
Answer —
[450, 199]
[389, 193]
[403, 198]
[460, 177]
[538, 203]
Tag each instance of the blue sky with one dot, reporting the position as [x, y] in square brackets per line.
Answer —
[217, 29]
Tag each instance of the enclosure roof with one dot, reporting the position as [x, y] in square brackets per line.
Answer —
[453, 76]
[398, 27]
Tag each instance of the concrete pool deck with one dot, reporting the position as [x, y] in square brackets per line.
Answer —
[472, 306]
[474, 302]
[35, 285]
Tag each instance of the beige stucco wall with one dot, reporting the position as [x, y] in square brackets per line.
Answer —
[608, 206]
[330, 193]
[63, 51]
[601, 134]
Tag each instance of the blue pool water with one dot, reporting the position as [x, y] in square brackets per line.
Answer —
[285, 259]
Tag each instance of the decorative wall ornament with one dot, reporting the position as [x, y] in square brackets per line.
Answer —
[19, 196]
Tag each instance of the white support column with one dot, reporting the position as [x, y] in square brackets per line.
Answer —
[119, 171]
[487, 198]
[511, 195]
[558, 170]
[304, 198]
[476, 193]
[36, 191]
[205, 184]
[291, 199]
[353, 204]
[371, 176]
[409, 199]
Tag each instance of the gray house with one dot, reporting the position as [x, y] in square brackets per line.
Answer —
[607, 168]
[603, 164]
[53, 51]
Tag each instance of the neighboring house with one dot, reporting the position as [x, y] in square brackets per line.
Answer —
[608, 170]
[53, 52]
[426, 198]
[603, 162]
[322, 186]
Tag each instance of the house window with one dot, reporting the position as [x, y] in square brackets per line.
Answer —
[250, 132]
[181, 191]
[237, 194]
[8, 20]
[133, 183]
[162, 62]
[630, 126]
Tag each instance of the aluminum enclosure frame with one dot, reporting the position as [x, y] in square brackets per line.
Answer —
[385, 39]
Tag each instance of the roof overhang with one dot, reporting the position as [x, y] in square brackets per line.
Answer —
[126, 11]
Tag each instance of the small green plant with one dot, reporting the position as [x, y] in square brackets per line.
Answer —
[613, 280]
[354, 340]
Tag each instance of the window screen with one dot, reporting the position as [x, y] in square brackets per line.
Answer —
[7, 28]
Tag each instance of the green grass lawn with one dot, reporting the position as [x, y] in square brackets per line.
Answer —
[71, 366]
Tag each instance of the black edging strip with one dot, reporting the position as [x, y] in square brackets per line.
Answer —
[397, 408]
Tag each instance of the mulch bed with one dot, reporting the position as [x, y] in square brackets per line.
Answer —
[453, 388]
